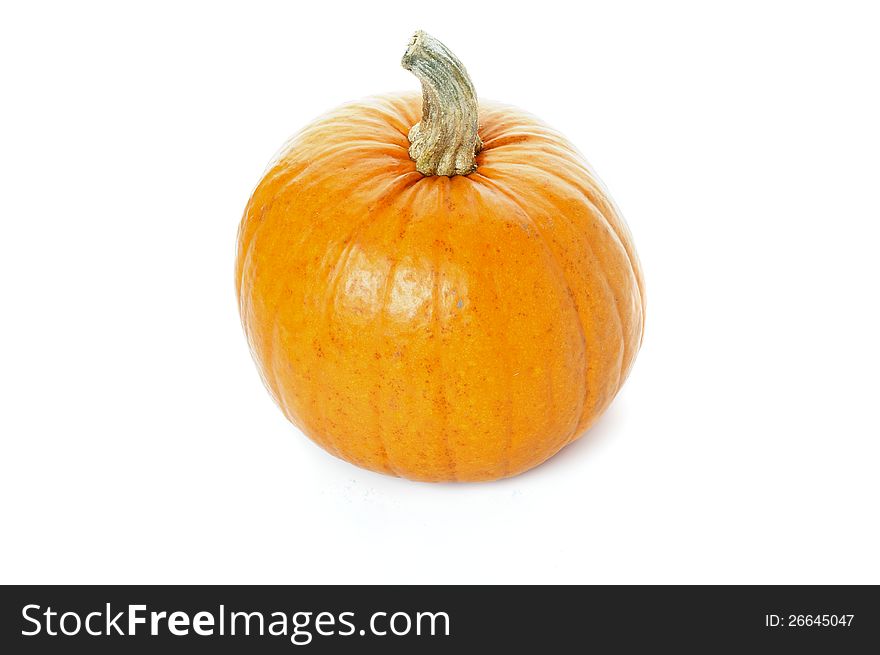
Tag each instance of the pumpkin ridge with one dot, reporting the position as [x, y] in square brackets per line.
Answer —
[627, 361]
[397, 112]
[566, 156]
[551, 256]
[244, 255]
[600, 270]
[442, 193]
[597, 269]
[597, 213]
[265, 216]
[272, 358]
[605, 206]
[593, 194]
[380, 326]
[506, 358]
[378, 116]
[352, 113]
[335, 275]
[306, 227]
[245, 250]
[281, 398]
[320, 165]
[507, 367]
[475, 205]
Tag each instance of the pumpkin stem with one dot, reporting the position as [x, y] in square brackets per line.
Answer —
[446, 141]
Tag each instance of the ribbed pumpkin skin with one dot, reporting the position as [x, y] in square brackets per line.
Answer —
[437, 328]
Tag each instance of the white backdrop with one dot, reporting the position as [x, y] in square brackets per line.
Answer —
[138, 445]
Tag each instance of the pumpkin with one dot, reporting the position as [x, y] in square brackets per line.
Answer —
[434, 288]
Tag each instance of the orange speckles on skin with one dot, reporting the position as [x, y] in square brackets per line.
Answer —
[437, 328]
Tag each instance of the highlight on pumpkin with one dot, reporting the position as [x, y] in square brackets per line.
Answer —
[436, 287]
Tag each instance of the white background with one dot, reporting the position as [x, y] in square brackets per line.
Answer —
[138, 445]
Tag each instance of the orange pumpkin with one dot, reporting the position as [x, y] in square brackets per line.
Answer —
[435, 289]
